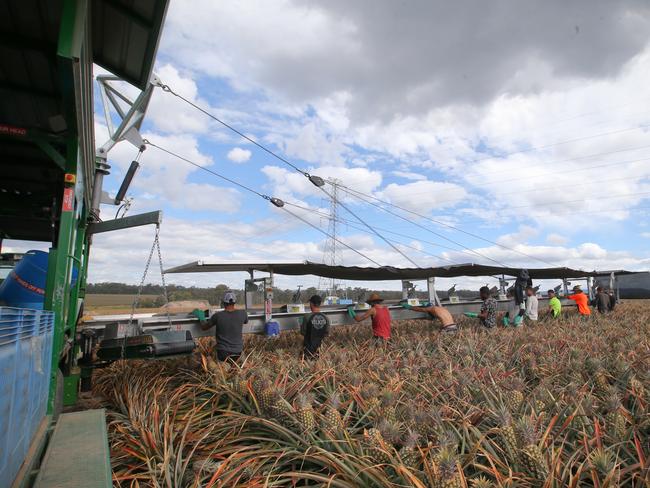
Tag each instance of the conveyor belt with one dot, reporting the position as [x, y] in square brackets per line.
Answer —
[287, 321]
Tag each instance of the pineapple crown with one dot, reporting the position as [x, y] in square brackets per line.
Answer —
[411, 440]
[613, 400]
[390, 431]
[334, 401]
[304, 400]
[503, 416]
[446, 459]
[527, 431]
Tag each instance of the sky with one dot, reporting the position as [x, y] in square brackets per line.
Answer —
[522, 123]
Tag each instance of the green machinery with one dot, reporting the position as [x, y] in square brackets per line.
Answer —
[51, 171]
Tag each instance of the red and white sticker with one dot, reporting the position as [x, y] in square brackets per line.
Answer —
[12, 131]
[68, 200]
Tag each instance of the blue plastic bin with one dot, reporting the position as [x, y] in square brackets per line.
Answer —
[25, 365]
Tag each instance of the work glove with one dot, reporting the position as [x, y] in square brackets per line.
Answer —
[405, 305]
[518, 320]
[471, 315]
[351, 312]
[506, 321]
[199, 314]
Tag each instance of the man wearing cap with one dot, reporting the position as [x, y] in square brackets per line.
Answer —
[380, 318]
[582, 301]
[228, 326]
[314, 327]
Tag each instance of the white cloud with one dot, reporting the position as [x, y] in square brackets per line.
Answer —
[556, 239]
[239, 155]
[645, 234]
[424, 196]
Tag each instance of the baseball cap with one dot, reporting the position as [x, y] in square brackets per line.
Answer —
[229, 297]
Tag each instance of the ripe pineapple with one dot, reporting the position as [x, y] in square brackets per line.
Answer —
[601, 383]
[333, 419]
[409, 453]
[378, 448]
[514, 399]
[637, 387]
[447, 469]
[305, 412]
[268, 397]
[507, 439]
[281, 409]
[530, 454]
[614, 420]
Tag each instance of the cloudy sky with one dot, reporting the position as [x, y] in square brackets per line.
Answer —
[522, 123]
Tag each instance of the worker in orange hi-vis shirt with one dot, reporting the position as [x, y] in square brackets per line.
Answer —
[582, 301]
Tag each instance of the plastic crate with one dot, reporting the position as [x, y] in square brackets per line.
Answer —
[25, 365]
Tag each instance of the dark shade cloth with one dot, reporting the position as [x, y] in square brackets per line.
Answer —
[383, 273]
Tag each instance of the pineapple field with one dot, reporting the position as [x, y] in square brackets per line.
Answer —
[556, 404]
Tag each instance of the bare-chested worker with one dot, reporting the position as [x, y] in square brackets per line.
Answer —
[441, 313]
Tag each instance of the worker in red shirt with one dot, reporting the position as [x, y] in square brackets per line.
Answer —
[582, 301]
[380, 318]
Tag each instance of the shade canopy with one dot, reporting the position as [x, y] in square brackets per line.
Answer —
[384, 273]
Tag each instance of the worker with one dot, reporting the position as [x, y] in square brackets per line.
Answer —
[512, 316]
[314, 327]
[441, 313]
[532, 304]
[228, 324]
[602, 301]
[612, 300]
[488, 313]
[582, 301]
[380, 318]
[554, 305]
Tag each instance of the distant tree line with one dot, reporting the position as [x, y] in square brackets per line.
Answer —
[215, 294]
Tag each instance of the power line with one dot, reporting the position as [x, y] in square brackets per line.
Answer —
[360, 196]
[569, 141]
[372, 229]
[427, 229]
[330, 236]
[576, 158]
[167, 89]
[214, 173]
[406, 236]
[277, 202]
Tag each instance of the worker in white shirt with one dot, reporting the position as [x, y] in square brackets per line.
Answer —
[531, 304]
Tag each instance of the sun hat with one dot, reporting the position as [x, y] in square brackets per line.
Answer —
[374, 297]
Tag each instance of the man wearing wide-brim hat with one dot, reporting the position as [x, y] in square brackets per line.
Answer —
[380, 317]
[582, 301]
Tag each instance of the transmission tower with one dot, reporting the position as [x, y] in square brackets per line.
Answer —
[330, 285]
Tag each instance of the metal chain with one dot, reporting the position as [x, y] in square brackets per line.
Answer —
[162, 275]
[144, 276]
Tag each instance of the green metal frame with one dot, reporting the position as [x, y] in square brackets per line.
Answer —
[72, 245]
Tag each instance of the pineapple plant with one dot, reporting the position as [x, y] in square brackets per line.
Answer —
[446, 463]
[530, 454]
[377, 446]
[481, 482]
[332, 418]
[409, 453]
[614, 419]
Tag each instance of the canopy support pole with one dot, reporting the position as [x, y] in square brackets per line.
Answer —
[431, 288]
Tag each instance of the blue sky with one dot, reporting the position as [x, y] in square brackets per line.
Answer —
[532, 137]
